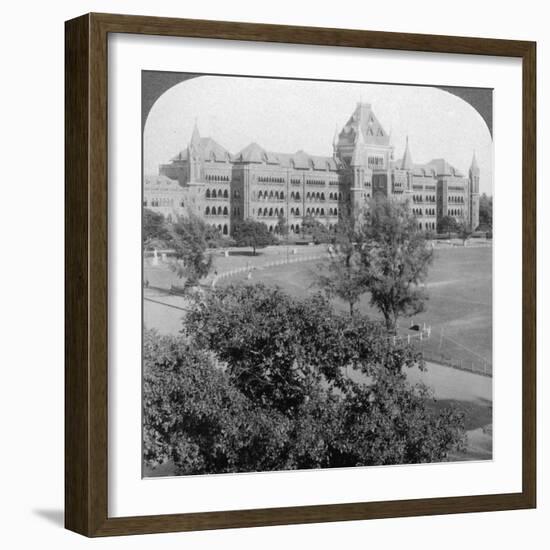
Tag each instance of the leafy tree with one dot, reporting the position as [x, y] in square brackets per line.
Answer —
[197, 420]
[252, 233]
[447, 224]
[318, 231]
[395, 257]
[343, 275]
[286, 360]
[282, 225]
[486, 211]
[464, 231]
[155, 230]
[188, 238]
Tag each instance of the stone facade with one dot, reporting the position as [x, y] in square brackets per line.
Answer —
[223, 188]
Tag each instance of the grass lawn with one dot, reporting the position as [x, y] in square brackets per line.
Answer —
[459, 308]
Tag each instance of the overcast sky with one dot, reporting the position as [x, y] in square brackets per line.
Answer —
[288, 115]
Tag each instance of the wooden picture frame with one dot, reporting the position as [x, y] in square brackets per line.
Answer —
[86, 282]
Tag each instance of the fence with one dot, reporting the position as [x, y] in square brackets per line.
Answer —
[275, 263]
[446, 351]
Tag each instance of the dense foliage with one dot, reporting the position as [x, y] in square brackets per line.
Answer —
[155, 231]
[262, 381]
[252, 233]
[343, 275]
[447, 224]
[485, 212]
[318, 231]
[188, 239]
[395, 257]
[464, 230]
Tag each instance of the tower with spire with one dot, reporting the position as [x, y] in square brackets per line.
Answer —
[473, 195]
[194, 155]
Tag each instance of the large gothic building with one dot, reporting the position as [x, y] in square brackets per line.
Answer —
[224, 188]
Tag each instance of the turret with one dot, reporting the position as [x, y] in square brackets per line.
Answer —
[335, 143]
[473, 185]
[193, 155]
[407, 163]
[474, 174]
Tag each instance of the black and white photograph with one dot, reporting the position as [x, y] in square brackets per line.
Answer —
[317, 273]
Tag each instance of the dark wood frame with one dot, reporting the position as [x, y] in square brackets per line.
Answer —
[86, 274]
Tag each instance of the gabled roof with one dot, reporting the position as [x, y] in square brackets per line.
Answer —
[252, 153]
[160, 181]
[364, 121]
[206, 149]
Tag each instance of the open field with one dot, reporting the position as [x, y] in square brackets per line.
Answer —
[459, 308]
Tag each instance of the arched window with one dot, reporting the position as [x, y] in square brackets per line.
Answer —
[297, 228]
[225, 211]
[277, 195]
[336, 211]
[213, 193]
[292, 211]
[282, 195]
[271, 195]
[317, 212]
[225, 194]
[271, 211]
[322, 211]
[271, 229]
[207, 211]
[318, 195]
[292, 228]
[297, 211]
[297, 195]
[292, 195]
[225, 229]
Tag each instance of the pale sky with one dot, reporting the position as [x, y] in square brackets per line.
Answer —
[288, 115]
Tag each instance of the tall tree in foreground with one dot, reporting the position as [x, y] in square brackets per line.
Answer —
[343, 276]
[252, 233]
[395, 257]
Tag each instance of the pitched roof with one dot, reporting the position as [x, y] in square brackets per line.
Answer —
[364, 121]
[160, 181]
[207, 149]
[252, 153]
